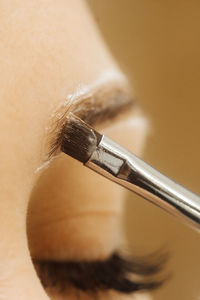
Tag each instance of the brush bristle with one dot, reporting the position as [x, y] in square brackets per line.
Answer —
[79, 139]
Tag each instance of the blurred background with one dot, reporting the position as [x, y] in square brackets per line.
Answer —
[157, 43]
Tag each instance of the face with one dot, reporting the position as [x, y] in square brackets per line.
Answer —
[52, 209]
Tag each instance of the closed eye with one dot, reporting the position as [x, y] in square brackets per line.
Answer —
[93, 276]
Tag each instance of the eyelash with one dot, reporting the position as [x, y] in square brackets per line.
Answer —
[110, 274]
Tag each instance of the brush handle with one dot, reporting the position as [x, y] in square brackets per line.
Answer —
[123, 167]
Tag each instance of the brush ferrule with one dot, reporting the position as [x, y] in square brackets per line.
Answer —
[106, 157]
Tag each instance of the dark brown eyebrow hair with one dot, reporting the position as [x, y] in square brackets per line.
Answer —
[94, 108]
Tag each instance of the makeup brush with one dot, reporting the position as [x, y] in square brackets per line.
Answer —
[104, 156]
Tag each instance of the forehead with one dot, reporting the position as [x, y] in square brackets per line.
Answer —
[47, 50]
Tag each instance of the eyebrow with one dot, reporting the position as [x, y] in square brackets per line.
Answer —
[95, 108]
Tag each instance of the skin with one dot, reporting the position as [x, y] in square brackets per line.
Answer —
[47, 49]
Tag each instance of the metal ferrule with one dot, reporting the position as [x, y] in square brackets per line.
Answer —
[121, 166]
